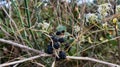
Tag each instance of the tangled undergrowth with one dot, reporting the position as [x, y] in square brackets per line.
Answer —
[62, 29]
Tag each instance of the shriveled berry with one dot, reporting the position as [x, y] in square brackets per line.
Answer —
[58, 33]
[49, 49]
[61, 40]
[56, 45]
[55, 38]
[62, 55]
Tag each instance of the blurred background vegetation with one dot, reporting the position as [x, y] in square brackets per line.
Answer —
[31, 22]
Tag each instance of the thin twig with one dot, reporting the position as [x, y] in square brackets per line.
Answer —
[39, 64]
[15, 65]
[100, 43]
[23, 60]
[92, 59]
[19, 45]
[111, 17]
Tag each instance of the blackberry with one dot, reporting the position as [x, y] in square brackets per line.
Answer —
[56, 45]
[55, 38]
[58, 33]
[62, 55]
[61, 40]
[49, 49]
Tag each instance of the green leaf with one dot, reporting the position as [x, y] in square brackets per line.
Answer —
[118, 25]
[71, 40]
[61, 28]
[72, 51]
[67, 34]
[108, 36]
[114, 42]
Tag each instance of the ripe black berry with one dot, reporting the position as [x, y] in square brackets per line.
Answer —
[62, 55]
[49, 49]
[58, 33]
[56, 45]
[61, 40]
[55, 38]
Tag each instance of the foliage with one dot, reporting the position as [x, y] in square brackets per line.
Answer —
[32, 23]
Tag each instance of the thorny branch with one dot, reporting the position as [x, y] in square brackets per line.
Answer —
[44, 55]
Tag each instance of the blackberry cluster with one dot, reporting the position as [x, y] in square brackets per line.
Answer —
[57, 42]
